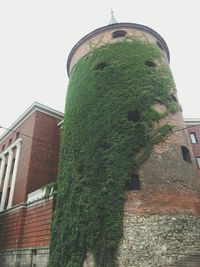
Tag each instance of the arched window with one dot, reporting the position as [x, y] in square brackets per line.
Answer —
[186, 154]
[173, 97]
[150, 63]
[101, 66]
[118, 34]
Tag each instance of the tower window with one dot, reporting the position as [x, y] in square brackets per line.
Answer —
[118, 34]
[173, 97]
[186, 154]
[193, 138]
[133, 116]
[198, 161]
[150, 63]
[101, 66]
[133, 183]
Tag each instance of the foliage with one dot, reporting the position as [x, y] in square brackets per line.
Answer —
[50, 189]
[110, 127]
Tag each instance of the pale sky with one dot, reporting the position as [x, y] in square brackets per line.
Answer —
[36, 37]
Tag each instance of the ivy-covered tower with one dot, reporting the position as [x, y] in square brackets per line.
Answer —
[128, 192]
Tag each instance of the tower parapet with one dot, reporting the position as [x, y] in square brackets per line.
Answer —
[113, 33]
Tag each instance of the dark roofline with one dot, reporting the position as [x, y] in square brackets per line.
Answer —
[116, 26]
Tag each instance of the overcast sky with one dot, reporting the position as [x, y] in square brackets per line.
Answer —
[36, 37]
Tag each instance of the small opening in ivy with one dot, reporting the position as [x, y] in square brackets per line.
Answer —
[150, 63]
[81, 167]
[159, 45]
[186, 154]
[133, 182]
[101, 66]
[134, 116]
[173, 97]
[117, 34]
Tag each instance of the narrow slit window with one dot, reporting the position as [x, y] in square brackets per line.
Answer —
[193, 138]
[186, 154]
[198, 161]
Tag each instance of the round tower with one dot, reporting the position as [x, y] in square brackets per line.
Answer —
[128, 192]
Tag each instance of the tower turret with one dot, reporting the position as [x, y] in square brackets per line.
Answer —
[128, 192]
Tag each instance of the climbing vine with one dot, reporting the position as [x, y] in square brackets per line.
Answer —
[110, 127]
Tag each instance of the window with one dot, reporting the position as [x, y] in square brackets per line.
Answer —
[10, 140]
[101, 66]
[133, 183]
[4, 171]
[173, 97]
[134, 116]
[186, 154]
[3, 147]
[7, 198]
[150, 63]
[118, 34]
[17, 135]
[193, 138]
[198, 161]
[12, 167]
[1, 232]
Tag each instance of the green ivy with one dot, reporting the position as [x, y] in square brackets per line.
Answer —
[109, 130]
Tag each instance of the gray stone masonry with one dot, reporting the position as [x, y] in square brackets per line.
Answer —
[32, 257]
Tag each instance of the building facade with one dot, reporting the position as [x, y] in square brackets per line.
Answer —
[29, 161]
[161, 211]
[25, 219]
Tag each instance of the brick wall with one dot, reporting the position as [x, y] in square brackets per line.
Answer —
[195, 146]
[38, 161]
[45, 153]
[27, 226]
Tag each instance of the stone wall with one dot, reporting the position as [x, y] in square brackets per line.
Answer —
[156, 240]
[25, 257]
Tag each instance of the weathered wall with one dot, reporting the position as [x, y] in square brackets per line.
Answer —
[106, 37]
[156, 240]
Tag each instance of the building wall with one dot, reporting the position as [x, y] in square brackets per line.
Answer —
[195, 129]
[44, 155]
[27, 225]
[26, 234]
[27, 128]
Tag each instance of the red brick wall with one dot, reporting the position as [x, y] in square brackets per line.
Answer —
[38, 161]
[27, 227]
[196, 146]
[45, 153]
